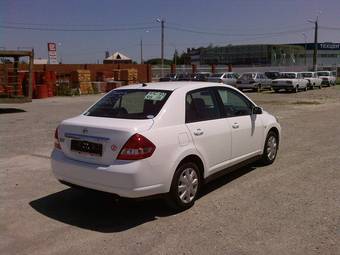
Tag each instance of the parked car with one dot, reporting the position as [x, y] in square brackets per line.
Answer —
[253, 80]
[201, 76]
[183, 77]
[272, 75]
[229, 78]
[290, 81]
[328, 79]
[313, 79]
[169, 77]
[169, 139]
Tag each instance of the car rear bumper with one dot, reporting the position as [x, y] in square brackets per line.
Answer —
[125, 179]
[281, 86]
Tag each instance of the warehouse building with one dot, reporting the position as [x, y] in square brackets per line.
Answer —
[266, 54]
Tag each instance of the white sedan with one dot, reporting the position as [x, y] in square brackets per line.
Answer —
[290, 81]
[157, 138]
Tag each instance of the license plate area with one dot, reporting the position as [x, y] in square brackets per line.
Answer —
[93, 149]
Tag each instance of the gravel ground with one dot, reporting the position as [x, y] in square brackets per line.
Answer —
[290, 207]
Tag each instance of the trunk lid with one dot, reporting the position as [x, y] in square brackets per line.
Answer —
[84, 137]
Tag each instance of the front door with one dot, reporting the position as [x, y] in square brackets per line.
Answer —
[247, 128]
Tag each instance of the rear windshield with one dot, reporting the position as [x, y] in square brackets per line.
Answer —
[307, 75]
[130, 104]
[288, 75]
[323, 73]
[216, 75]
[247, 76]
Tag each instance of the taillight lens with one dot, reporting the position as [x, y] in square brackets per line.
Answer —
[137, 147]
[56, 140]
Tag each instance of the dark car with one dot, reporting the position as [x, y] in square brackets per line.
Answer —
[169, 77]
[202, 76]
[272, 75]
[184, 77]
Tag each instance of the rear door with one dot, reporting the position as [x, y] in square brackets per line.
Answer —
[210, 132]
[247, 129]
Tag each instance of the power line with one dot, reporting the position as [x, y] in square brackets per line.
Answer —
[329, 28]
[76, 30]
[230, 34]
[77, 25]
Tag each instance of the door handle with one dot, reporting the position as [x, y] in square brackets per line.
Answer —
[198, 132]
[235, 125]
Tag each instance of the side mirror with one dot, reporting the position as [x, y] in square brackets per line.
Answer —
[257, 110]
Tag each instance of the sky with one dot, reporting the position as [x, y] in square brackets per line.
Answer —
[85, 29]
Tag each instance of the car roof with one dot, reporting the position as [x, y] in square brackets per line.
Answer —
[174, 85]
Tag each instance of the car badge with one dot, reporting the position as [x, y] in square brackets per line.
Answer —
[113, 147]
[85, 131]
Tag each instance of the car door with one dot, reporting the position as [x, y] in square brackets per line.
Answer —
[210, 132]
[247, 129]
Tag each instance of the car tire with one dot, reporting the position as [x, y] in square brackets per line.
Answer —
[259, 88]
[276, 91]
[306, 88]
[185, 187]
[296, 89]
[271, 146]
[320, 86]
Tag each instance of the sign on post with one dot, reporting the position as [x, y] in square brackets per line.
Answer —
[52, 53]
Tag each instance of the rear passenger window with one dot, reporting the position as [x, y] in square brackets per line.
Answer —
[234, 104]
[201, 105]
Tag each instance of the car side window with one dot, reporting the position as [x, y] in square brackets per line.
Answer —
[201, 105]
[234, 104]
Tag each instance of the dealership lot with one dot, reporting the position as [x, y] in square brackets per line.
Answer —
[290, 207]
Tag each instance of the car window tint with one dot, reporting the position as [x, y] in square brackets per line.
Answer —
[234, 104]
[130, 104]
[201, 105]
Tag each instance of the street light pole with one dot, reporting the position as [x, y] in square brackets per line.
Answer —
[305, 37]
[141, 51]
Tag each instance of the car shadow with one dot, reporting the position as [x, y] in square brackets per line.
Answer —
[103, 212]
[11, 110]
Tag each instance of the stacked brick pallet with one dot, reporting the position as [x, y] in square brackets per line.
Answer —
[81, 79]
[128, 75]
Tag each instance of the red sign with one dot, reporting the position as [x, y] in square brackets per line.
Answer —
[52, 53]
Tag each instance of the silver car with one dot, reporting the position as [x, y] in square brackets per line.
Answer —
[253, 80]
[229, 78]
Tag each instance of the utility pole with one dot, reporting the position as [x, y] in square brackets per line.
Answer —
[162, 49]
[141, 51]
[315, 53]
[315, 46]
[162, 44]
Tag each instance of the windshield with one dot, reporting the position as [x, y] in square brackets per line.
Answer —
[130, 104]
[323, 73]
[288, 75]
[307, 75]
[247, 76]
[216, 75]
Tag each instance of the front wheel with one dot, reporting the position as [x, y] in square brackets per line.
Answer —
[270, 148]
[185, 187]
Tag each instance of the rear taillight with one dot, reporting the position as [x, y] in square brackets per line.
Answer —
[137, 147]
[56, 140]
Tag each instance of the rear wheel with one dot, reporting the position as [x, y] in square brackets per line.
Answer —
[185, 186]
[259, 88]
[270, 148]
[296, 89]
